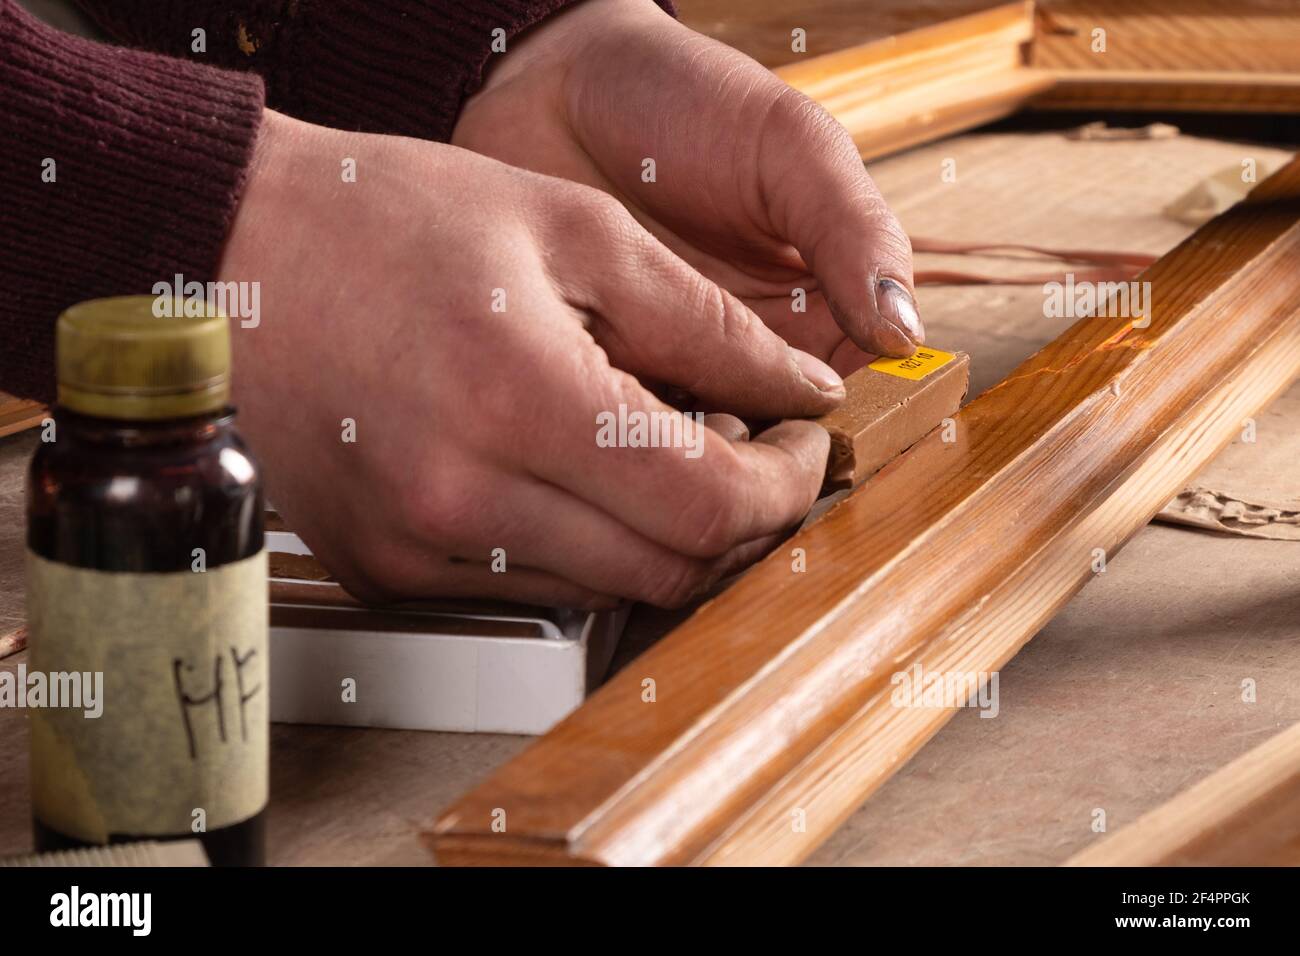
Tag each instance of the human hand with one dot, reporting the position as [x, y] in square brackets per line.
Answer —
[476, 429]
[755, 185]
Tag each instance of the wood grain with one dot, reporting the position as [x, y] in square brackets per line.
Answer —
[1188, 92]
[1170, 55]
[881, 737]
[901, 73]
[1245, 814]
[761, 28]
[17, 414]
[925, 83]
[954, 554]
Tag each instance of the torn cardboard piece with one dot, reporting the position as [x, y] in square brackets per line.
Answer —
[1214, 194]
[11, 642]
[1099, 131]
[1220, 511]
[1251, 488]
[889, 406]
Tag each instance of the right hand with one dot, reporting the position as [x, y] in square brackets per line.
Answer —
[476, 429]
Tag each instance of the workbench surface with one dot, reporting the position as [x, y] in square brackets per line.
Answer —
[1130, 695]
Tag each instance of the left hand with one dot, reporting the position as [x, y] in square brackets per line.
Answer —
[754, 184]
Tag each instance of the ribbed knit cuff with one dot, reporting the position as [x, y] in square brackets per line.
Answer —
[119, 169]
[379, 66]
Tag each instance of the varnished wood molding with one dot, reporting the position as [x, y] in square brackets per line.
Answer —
[1191, 55]
[17, 414]
[1190, 91]
[917, 86]
[1245, 814]
[929, 80]
[772, 717]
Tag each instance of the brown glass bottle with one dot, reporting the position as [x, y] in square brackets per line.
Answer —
[159, 511]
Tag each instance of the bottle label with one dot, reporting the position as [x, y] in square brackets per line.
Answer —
[180, 743]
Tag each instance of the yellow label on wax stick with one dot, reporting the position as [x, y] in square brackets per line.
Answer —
[916, 366]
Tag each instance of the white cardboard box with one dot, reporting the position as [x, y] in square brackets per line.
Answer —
[433, 670]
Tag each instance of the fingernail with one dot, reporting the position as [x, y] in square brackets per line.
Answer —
[898, 308]
[818, 372]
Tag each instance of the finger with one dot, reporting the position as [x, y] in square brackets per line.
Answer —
[423, 576]
[676, 481]
[814, 331]
[559, 533]
[559, 552]
[848, 358]
[546, 528]
[728, 426]
[656, 317]
[823, 202]
[742, 556]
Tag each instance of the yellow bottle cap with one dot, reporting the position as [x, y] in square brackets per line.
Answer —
[118, 358]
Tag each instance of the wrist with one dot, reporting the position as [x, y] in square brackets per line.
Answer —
[292, 161]
[265, 203]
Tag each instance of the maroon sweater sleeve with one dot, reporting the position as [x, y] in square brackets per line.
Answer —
[379, 66]
[118, 169]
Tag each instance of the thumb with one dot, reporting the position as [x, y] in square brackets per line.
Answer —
[822, 201]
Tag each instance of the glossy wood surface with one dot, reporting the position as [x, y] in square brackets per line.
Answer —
[768, 698]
